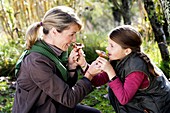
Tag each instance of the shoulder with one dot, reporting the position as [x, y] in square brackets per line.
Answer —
[135, 63]
[35, 58]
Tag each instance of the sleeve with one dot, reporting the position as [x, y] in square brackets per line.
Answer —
[43, 76]
[125, 92]
[100, 79]
[72, 80]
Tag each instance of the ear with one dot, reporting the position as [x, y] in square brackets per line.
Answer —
[54, 31]
[128, 51]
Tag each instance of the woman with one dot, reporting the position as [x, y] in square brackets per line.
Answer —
[135, 84]
[46, 78]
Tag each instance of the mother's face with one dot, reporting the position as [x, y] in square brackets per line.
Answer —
[64, 39]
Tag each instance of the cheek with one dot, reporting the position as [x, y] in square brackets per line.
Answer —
[115, 54]
[67, 39]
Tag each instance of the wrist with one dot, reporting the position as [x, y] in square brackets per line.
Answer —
[113, 78]
[72, 67]
[72, 70]
[88, 75]
[111, 74]
[84, 66]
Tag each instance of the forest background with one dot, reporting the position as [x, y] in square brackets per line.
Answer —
[150, 17]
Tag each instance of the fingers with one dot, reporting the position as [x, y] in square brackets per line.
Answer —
[75, 58]
[101, 59]
[93, 69]
[81, 52]
[96, 64]
[101, 63]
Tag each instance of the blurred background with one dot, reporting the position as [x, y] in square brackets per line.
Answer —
[150, 17]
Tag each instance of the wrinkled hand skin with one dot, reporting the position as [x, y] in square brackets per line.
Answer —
[77, 56]
[93, 68]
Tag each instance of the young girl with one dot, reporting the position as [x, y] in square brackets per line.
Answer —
[135, 84]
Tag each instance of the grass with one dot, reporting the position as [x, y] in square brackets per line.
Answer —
[99, 99]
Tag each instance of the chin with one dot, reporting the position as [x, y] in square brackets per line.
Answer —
[113, 58]
[65, 49]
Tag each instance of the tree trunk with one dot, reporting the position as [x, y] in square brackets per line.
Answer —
[126, 11]
[121, 10]
[166, 31]
[117, 16]
[116, 12]
[166, 10]
[157, 29]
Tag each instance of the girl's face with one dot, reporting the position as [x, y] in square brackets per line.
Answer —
[115, 51]
[64, 39]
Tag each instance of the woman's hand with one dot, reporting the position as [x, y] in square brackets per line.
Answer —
[81, 61]
[93, 68]
[72, 59]
[105, 65]
[76, 58]
[92, 71]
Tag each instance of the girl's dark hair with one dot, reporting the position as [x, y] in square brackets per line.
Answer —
[128, 37]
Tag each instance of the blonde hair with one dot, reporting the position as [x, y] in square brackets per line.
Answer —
[60, 17]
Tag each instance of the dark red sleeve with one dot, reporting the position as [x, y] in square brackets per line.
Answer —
[125, 92]
[100, 79]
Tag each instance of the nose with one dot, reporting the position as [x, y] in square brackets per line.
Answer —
[107, 48]
[74, 38]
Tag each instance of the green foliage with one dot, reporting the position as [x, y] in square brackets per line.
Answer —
[152, 50]
[99, 99]
[165, 67]
[93, 41]
[10, 50]
[6, 96]
[96, 15]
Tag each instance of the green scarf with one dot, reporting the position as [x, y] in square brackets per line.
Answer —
[42, 48]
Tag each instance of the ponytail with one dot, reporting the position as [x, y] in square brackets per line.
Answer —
[149, 64]
[32, 34]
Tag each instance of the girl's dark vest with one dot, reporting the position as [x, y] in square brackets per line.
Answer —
[154, 99]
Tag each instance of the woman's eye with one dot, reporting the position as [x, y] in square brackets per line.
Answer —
[111, 45]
